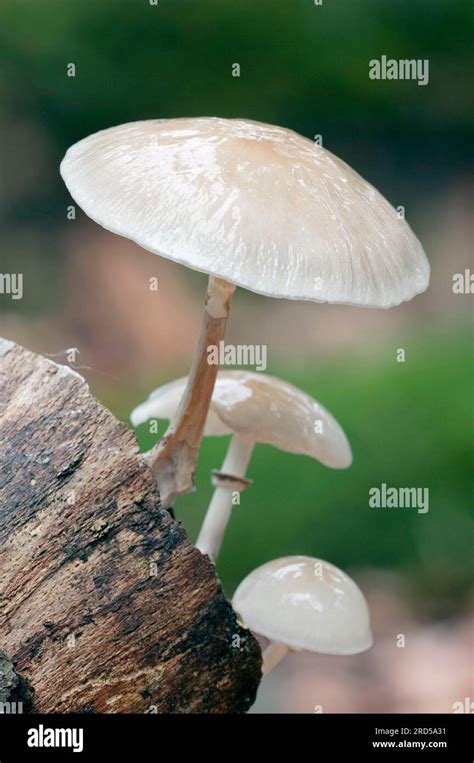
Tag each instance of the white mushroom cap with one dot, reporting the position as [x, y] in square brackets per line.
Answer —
[163, 403]
[306, 604]
[252, 203]
[264, 409]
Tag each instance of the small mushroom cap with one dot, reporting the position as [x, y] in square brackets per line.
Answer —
[255, 204]
[264, 409]
[305, 603]
[163, 403]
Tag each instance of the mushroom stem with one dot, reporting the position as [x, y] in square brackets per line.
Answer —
[220, 507]
[273, 655]
[173, 459]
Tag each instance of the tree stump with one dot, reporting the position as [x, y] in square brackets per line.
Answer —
[105, 606]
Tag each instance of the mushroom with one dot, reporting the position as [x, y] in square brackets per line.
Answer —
[251, 205]
[300, 603]
[253, 407]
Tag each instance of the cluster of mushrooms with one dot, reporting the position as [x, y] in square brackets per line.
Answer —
[260, 207]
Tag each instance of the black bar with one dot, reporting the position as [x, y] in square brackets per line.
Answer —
[155, 737]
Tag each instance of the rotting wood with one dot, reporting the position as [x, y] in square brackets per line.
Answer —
[104, 604]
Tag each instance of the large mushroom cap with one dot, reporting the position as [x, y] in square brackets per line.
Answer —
[307, 604]
[262, 408]
[258, 205]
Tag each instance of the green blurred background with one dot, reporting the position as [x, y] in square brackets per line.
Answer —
[305, 67]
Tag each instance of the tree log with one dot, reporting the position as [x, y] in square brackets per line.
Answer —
[105, 606]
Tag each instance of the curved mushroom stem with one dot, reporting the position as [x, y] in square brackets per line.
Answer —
[273, 655]
[173, 459]
[220, 507]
